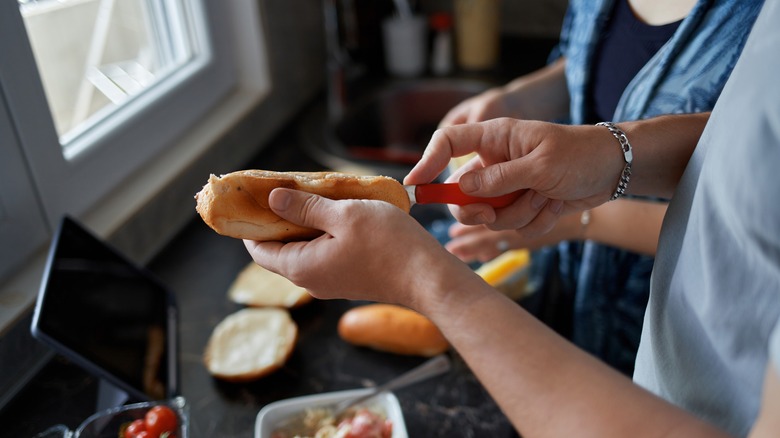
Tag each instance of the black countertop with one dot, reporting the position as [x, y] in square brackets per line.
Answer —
[199, 265]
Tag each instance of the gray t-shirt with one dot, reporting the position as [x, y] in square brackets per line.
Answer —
[715, 291]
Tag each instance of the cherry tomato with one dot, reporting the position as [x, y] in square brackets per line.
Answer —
[135, 428]
[160, 419]
[144, 434]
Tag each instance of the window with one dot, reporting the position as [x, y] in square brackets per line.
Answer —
[92, 56]
[101, 144]
[92, 92]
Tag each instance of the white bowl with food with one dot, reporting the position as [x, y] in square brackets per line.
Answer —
[379, 416]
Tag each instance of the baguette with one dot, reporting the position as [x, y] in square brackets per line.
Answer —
[250, 344]
[258, 287]
[393, 329]
[236, 204]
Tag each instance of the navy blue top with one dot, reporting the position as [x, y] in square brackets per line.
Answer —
[626, 42]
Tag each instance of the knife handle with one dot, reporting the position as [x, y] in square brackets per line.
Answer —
[450, 193]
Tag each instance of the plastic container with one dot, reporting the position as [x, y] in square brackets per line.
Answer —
[405, 41]
[269, 418]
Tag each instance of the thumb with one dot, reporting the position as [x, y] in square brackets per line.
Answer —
[301, 208]
[497, 179]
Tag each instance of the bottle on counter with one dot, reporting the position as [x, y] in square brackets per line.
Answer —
[441, 52]
[477, 33]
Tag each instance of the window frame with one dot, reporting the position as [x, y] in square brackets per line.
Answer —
[111, 151]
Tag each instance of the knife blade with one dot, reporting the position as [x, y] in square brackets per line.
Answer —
[450, 193]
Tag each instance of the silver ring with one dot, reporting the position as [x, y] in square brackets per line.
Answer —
[502, 245]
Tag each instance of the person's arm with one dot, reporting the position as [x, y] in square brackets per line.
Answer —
[625, 223]
[545, 385]
[540, 95]
[767, 424]
[555, 168]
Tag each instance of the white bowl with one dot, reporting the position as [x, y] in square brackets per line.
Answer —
[274, 413]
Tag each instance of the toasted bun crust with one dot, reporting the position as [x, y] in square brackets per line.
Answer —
[258, 287]
[250, 344]
[236, 204]
[394, 329]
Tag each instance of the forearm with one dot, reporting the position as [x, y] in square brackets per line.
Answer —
[542, 94]
[546, 386]
[628, 224]
[662, 147]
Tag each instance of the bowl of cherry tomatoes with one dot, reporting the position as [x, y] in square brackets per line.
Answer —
[158, 419]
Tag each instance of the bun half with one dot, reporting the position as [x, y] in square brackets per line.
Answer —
[258, 287]
[250, 344]
[236, 204]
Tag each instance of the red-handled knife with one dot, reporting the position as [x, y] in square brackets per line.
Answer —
[450, 193]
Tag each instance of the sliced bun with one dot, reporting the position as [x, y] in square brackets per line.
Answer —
[236, 204]
[250, 344]
[258, 287]
[391, 328]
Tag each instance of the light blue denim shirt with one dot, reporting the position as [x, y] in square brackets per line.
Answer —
[685, 76]
[610, 287]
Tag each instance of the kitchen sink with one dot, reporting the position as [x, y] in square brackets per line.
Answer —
[384, 131]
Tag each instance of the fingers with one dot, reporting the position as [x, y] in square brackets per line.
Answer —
[266, 254]
[446, 143]
[303, 208]
[470, 243]
[497, 179]
[501, 145]
[299, 208]
[456, 116]
[532, 215]
[484, 106]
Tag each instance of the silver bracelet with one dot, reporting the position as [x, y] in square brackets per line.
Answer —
[628, 156]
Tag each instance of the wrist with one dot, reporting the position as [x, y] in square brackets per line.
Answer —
[585, 219]
[628, 158]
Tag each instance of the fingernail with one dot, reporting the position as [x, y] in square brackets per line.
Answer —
[487, 217]
[280, 200]
[469, 182]
[556, 206]
[537, 201]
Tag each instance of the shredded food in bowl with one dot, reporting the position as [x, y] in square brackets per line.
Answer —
[320, 423]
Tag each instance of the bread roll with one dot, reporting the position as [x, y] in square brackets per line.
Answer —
[394, 329]
[258, 287]
[250, 344]
[236, 204]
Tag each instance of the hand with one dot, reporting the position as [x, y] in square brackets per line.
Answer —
[540, 95]
[479, 243]
[557, 168]
[371, 250]
[493, 103]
